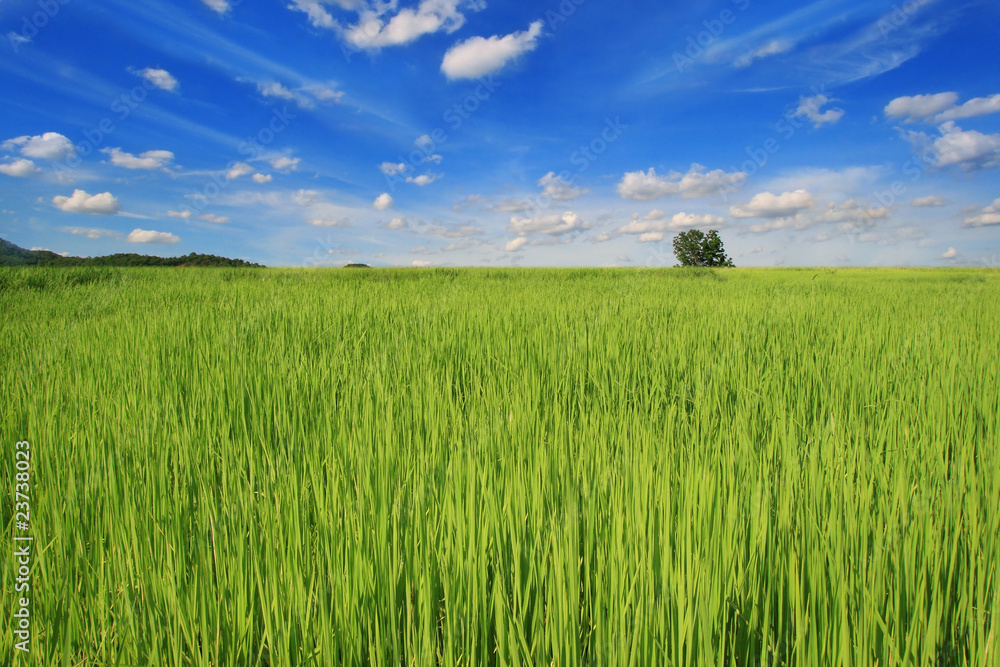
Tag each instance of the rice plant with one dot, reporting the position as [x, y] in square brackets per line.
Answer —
[505, 467]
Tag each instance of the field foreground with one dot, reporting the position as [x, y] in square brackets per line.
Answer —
[504, 467]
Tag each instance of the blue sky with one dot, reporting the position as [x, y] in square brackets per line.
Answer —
[477, 132]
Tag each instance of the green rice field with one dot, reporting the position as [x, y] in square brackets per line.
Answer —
[503, 467]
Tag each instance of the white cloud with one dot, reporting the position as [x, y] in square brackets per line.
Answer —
[329, 222]
[48, 146]
[147, 160]
[238, 169]
[307, 197]
[647, 186]
[217, 219]
[18, 168]
[851, 211]
[558, 189]
[990, 215]
[392, 168]
[373, 32]
[930, 200]
[515, 244]
[286, 163]
[92, 233]
[810, 108]
[262, 178]
[950, 253]
[772, 48]
[324, 93]
[220, 6]
[15, 38]
[421, 263]
[478, 56]
[184, 215]
[550, 225]
[767, 205]
[383, 201]
[651, 237]
[462, 232]
[81, 202]
[979, 106]
[512, 206]
[941, 107]
[423, 179]
[396, 223]
[433, 159]
[160, 78]
[318, 16]
[656, 223]
[149, 236]
[969, 149]
[920, 107]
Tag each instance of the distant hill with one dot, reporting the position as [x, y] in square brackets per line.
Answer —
[13, 255]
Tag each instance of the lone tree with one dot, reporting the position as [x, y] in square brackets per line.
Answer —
[695, 248]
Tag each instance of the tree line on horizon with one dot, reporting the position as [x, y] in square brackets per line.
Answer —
[14, 255]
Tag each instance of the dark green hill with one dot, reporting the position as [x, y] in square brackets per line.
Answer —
[13, 255]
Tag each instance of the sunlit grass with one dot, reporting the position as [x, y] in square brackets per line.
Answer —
[506, 467]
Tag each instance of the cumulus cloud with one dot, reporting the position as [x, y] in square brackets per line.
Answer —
[147, 160]
[421, 263]
[423, 179]
[697, 182]
[317, 14]
[851, 211]
[950, 253]
[549, 225]
[184, 215]
[81, 202]
[920, 107]
[940, 108]
[978, 106]
[238, 169]
[396, 223]
[329, 222]
[462, 232]
[990, 215]
[478, 56]
[393, 168]
[262, 178]
[968, 149]
[512, 206]
[149, 236]
[515, 244]
[558, 189]
[92, 233]
[810, 108]
[160, 78]
[383, 201]
[653, 226]
[373, 31]
[18, 168]
[767, 205]
[286, 163]
[930, 200]
[219, 6]
[48, 146]
[217, 219]
[772, 48]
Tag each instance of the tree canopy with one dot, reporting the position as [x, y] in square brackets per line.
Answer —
[695, 248]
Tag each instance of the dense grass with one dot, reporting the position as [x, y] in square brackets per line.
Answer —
[482, 467]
